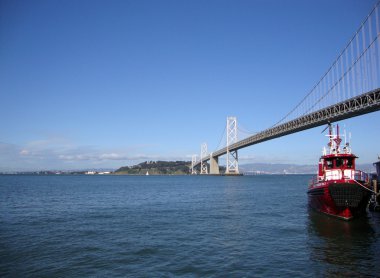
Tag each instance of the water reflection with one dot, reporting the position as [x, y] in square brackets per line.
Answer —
[339, 248]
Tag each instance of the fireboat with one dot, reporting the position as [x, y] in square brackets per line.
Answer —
[339, 189]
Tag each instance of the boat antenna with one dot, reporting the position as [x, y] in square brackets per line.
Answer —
[330, 144]
[344, 134]
[349, 138]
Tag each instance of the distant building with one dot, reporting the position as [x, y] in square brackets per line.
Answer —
[104, 173]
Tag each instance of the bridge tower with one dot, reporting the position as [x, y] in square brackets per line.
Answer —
[193, 162]
[203, 155]
[232, 167]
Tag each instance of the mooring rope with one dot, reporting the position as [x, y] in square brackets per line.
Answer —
[366, 188]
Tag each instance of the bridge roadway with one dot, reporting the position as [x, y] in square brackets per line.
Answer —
[356, 106]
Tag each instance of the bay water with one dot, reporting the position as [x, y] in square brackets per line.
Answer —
[169, 226]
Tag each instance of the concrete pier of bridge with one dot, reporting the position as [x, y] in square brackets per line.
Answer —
[214, 165]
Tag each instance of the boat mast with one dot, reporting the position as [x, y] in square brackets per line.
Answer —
[331, 142]
[337, 140]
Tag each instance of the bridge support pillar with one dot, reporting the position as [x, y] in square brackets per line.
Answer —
[232, 155]
[214, 165]
[232, 163]
[203, 164]
[193, 162]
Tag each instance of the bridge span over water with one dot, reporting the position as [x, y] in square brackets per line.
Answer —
[349, 88]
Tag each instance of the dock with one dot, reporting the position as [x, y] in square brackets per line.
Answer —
[374, 203]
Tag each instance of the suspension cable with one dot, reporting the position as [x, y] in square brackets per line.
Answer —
[332, 66]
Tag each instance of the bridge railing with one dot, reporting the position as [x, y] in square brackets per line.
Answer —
[352, 107]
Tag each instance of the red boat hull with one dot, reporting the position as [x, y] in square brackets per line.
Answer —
[345, 200]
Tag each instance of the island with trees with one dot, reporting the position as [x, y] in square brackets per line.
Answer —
[156, 168]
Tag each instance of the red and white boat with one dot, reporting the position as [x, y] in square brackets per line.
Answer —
[339, 189]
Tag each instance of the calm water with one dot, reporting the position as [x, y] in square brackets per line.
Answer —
[176, 226]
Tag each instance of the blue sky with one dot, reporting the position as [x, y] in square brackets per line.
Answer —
[92, 84]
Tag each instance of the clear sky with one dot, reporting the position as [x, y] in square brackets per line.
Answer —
[103, 84]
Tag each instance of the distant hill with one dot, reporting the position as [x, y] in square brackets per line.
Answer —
[266, 168]
[156, 168]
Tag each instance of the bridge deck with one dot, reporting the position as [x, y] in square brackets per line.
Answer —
[359, 105]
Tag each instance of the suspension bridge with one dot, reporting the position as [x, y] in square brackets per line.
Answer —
[349, 88]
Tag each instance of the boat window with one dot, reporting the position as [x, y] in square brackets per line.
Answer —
[349, 162]
[339, 162]
[329, 164]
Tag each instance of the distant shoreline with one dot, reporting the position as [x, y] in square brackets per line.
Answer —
[182, 168]
[155, 175]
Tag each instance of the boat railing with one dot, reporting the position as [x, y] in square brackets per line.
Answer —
[339, 174]
[313, 180]
[361, 176]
